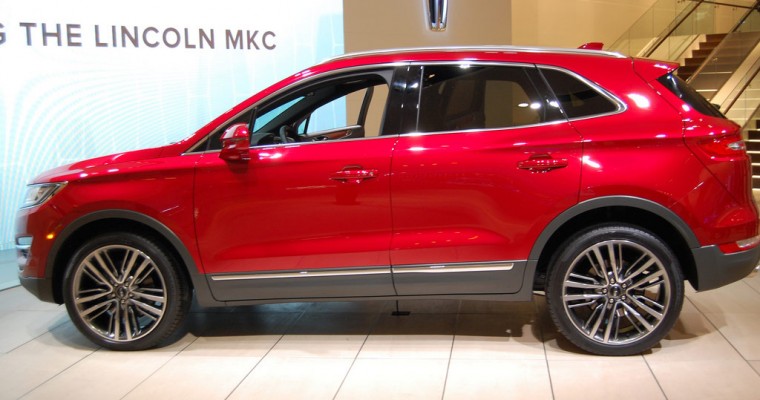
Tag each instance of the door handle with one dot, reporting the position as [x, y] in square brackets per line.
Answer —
[542, 163]
[354, 174]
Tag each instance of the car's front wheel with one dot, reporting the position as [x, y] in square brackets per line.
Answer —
[615, 290]
[124, 292]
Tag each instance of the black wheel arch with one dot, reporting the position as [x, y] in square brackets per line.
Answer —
[636, 211]
[70, 238]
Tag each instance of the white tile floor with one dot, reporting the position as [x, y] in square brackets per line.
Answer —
[8, 269]
[444, 349]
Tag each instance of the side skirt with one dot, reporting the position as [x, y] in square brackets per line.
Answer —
[479, 281]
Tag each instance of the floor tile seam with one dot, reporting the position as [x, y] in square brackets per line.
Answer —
[543, 343]
[739, 353]
[356, 356]
[253, 368]
[159, 368]
[654, 375]
[60, 372]
[751, 287]
[49, 330]
[451, 351]
[396, 358]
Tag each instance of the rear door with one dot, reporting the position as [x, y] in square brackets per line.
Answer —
[492, 160]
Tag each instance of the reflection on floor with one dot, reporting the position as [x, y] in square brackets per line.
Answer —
[444, 349]
[8, 269]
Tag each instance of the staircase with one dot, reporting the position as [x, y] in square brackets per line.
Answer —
[753, 149]
[744, 107]
[699, 56]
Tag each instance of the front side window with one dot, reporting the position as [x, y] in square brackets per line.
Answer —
[463, 97]
[351, 106]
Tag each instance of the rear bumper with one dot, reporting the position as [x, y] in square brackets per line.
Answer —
[40, 287]
[715, 269]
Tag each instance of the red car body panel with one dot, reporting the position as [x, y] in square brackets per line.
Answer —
[478, 205]
[284, 210]
[453, 197]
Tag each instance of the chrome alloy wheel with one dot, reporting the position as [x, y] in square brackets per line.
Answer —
[119, 293]
[616, 292]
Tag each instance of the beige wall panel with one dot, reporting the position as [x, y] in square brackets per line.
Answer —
[570, 23]
[371, 25]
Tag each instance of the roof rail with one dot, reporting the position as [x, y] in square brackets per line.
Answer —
[499, 48]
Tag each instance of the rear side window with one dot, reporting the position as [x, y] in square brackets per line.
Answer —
[455, 97]
[690, 96]
[577, 98]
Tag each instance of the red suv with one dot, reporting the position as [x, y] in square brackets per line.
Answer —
[470, 173]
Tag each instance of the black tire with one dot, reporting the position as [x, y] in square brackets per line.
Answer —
[124, 292]
[615, 290]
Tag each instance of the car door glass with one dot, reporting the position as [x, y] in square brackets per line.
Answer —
[479, 97]
[345, 108]
[577, 98]
[360, 112]
[263, 119]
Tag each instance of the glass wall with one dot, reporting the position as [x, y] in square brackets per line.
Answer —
[105, 81]
[79, 80]
[670, 27]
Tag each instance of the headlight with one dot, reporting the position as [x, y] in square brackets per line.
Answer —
[40, 193]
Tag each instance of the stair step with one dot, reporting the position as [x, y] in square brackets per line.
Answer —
[752, 145]
[713, 37]
[693, 62]
[702, 52]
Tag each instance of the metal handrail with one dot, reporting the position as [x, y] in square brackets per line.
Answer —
[744, 85]
[672, 28]
[686, 14]
[744, 18]
[720, 45]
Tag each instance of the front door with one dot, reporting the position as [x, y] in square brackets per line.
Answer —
[308, 216]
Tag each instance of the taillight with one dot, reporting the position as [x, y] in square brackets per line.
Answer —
[725, 146]
[740, 245]
[718, 144]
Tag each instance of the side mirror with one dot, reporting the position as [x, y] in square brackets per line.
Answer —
[236, 143]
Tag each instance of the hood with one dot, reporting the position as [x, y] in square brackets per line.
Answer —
[82, 169]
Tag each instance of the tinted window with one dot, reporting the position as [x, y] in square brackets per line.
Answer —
[350, 107]
[465, 97]
[576, 97]
[686, 93]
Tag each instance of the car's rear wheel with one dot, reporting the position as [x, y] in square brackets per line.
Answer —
[615, 290]
[124, 292]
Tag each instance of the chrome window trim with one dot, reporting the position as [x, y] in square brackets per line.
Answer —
[305, 274]
[298, 144]
[622, 106]
[476, 130]
[193, 149]
[454, 267]
[477, 64]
